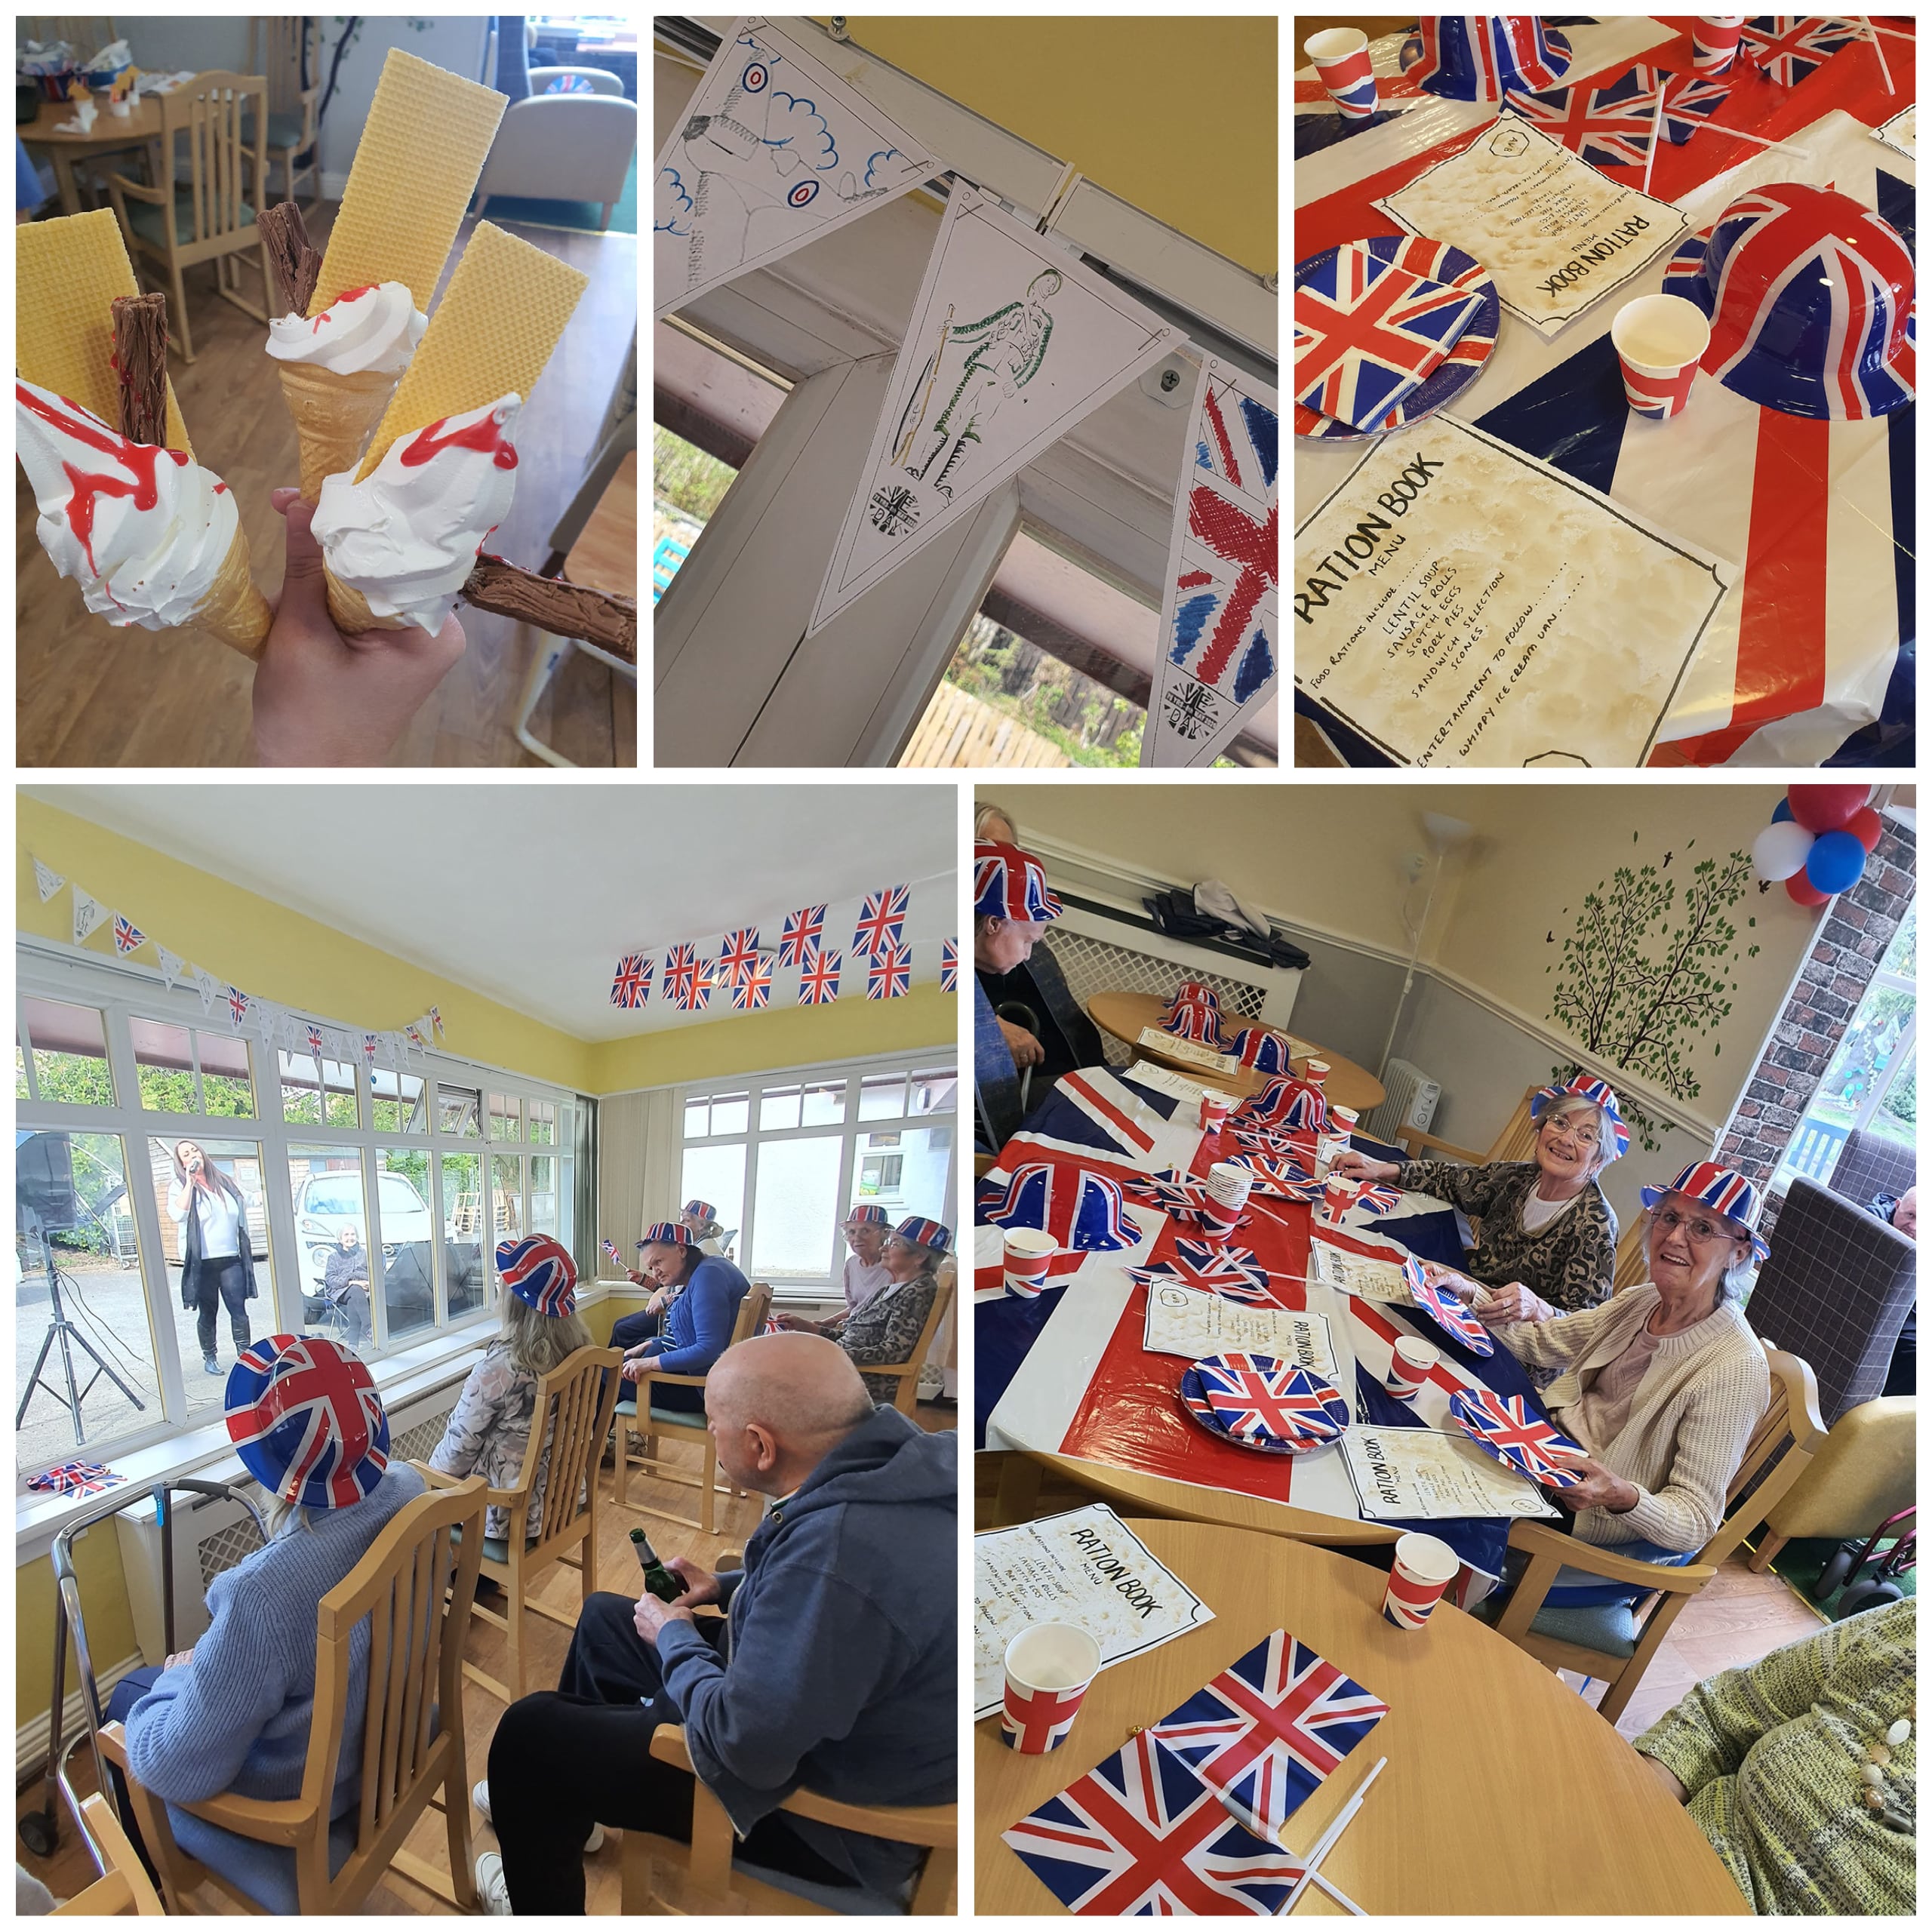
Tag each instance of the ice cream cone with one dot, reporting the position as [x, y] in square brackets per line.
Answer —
[350, 610]
[333, 416]
[235, 611]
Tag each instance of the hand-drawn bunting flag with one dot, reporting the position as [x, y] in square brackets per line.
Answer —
[128, 937]
[47, 881]
[89, 915]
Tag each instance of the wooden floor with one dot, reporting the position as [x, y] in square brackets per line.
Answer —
[89, 694]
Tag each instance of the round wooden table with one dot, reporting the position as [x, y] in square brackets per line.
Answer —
[1504, 1791]
[1124, 1015]
[110, 132]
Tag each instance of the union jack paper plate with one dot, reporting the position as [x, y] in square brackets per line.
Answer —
[1438, 262]
[1514, 1433]
[1445, 1309]
[1262, 1402]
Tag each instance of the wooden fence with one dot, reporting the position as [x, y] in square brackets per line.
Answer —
[961, 730]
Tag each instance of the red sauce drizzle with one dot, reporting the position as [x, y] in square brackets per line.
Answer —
[484, 435]
[347, 295]
[137, 462]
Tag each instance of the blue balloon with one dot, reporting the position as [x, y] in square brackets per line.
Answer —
[1836, 861]
[1781, 811]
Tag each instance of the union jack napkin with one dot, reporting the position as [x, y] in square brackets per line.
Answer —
[76, 1479]
[1514, 1433]
[1266, 1732]
[1368, 334]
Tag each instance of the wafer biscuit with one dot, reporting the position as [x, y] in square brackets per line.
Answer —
[423, 144]
[66, 274]
[496, 326]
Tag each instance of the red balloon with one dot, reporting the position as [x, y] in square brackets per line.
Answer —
[1866, 826]
[1801, 889]
[1826, 807]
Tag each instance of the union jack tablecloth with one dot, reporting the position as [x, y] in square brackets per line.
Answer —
[1810, 660]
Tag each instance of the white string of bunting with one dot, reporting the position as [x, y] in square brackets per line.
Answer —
[276, 1026]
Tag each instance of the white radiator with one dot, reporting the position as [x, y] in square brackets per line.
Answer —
[1412, 1099]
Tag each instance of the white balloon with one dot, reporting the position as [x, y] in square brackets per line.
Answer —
[1780, 850]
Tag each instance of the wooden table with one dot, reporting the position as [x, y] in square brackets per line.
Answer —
[1124, 1015]
[1504, 1791]
[110, 133]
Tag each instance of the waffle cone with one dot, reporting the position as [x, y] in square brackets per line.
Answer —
[235, 611]
[333, 416]
[350, 610]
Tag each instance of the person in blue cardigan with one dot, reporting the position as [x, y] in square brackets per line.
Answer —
[232, 1713]
[697, 1325]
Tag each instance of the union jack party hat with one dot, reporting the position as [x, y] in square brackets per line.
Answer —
[1192, 1019]
[1009, 884]
[701, 1210]
[1809, 297]
[304, 1418]
[1198, 992]
[1262, 1048]
[668, 1234]
[539, 1272]
[923, 1233]
[1085, 1212]
[1480, 57]
[869, 1214]
[1600, 1093]
[1287, 1105]
[1723, 1190]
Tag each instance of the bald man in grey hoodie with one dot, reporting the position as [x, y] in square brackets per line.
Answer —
[841, 1671]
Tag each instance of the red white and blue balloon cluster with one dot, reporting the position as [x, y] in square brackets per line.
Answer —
[1818, 841]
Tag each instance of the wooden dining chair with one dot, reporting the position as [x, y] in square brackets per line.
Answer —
[123, 1890]
[282, 49]
[661, 1875]
[1633, 1257]
[1513, 1144]
[414, 1589]
[568, 1423]
[906, 1374]
[640, 1414]
[210, 184]
[1616, 1641]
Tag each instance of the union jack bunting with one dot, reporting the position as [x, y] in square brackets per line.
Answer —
[539, 1272]
[304, 1418]
[76, 1479]
[803, 928]
[949, 966]
[1446, 1311]
[889, 973]
[1605, 125]
[739, 954]
[818, 982]
[682, 971]
[126, 935]
[370, 1042]
[1269, 1729]
[1514, 1433]
[1140, 1836]
[1234, 1273]
[1081, 1210]
[1786, 47]
[313, 1036]
[704, 983]
[630, 986]
[752, 991]
[1259, 1400]
[881, 921]
[238, 1004]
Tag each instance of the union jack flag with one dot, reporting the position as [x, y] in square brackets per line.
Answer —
[1234, 1273]
[126, 935]
[304, 1418]
[1688, 99]
[1081, 1210]
[682, 971]
[632, 986]
[1296, 1149]
[704, 985]
[76, 1479]
[753, 990]
[238, 1004]
[610, 1248]
[1284, 1180]
[1256, 1398]
[1605, 125]
[1169, 1190]
[881, 921]
[1140, 1836]
[804, 928]
[1446, 1310]
[949, 966]
[1269, 1729]
[1514, 1433]
[818, 984]
[313, 1036]
[1787, 48]
[370, 1042]
[739, 954]
[889, 973]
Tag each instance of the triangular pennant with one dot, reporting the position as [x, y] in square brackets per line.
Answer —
[371, 1046]
[171, 965]
[238, 1004]
[436, 1021]
[773, 152]
[207, 984]
[47, 880]
[128, 937]
[264, 1015]
[1220, 635]
[1012, 342]
[89, 915]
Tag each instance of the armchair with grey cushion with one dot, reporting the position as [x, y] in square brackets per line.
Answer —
[1870, 1164]
[1836, 1290]
[562, 147]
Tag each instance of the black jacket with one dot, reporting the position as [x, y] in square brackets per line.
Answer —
[191, 1246]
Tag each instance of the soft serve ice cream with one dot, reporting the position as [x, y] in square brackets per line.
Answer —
[407, 536]
[143, 530]
[374, 330]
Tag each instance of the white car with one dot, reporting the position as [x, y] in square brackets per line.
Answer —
[326, 1203]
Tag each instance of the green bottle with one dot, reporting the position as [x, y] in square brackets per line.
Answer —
[661, 1583]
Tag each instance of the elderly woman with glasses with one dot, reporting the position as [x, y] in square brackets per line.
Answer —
[1548, 1237]
[1663, 1384]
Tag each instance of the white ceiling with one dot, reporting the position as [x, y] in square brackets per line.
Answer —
[530, 892]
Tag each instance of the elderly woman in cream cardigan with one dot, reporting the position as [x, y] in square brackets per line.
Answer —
[1662, 1384]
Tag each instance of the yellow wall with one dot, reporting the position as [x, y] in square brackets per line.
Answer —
[1177, 114]
[103, 1602]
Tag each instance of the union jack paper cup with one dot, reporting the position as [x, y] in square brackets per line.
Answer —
[1714, 40]
[1028, 1251]
[1425, 1566]
[1228, 1188]
[1659, 339]
[1315, 1071]
[1409, 1367]
[1338, 1197]
[1341, 64]
[1048, 1669]
[1215, 1109]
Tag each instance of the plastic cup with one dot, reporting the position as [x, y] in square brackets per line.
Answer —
[1342, 66]
[1048, 1669]
[1714, 40]
[1659, 339]
[1228, 1190]
[1409, 1367]
[1029, 1250]
[1425, 1566]
[1215, 1109]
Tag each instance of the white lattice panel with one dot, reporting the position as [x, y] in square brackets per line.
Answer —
[1093, 965]
[226, 1548]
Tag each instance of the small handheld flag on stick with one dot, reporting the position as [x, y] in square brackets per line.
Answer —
[1656, 128]
[1878, 48]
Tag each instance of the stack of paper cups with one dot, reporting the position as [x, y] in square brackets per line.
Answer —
[1228, 1188]
[1049, 1667]
[1659, 339]
[1409, 1367]
[1425, 1566]
[1029, 1250]
[1341, 64]
[1713, 42]
[1215, 1109]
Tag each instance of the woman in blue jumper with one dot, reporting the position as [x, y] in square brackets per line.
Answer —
[232, 1713]
[697, 1325]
